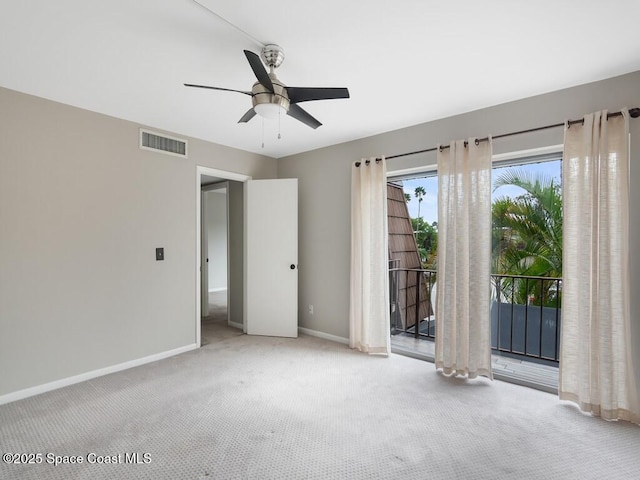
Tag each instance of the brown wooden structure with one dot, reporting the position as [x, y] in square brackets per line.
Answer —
[403, 257]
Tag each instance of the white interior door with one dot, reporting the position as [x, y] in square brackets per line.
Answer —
[271, 262]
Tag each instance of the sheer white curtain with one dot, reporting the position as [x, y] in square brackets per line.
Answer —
[369, 321]
[596, 369]
[463, 317]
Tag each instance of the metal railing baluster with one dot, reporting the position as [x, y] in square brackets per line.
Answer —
[506, 298]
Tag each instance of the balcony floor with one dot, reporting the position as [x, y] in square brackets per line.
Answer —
[530, 374]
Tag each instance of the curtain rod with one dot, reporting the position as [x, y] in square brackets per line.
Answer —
[633, 113]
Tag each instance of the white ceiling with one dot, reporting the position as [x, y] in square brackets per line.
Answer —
[405, 62]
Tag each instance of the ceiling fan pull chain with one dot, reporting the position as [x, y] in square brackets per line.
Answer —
[279, 115]
[262, 132]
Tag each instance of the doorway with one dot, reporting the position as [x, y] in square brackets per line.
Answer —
[219, 190]
[215, 256]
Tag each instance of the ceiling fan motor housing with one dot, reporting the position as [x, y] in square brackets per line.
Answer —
[261, 95]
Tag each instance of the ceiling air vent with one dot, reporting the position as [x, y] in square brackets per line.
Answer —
[161, 143]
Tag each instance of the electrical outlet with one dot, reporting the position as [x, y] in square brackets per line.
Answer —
[159, 253]
[310, 309]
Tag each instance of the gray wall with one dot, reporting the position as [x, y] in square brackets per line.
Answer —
[82, 210]
[324, 179]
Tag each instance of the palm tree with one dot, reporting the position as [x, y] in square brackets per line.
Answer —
[427, 240]
[419, 193]
[527, 233]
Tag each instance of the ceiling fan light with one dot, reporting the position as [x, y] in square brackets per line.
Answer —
[269, 110]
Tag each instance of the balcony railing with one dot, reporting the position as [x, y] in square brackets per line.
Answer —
[411, 306]
[525, 312]
[526, 316]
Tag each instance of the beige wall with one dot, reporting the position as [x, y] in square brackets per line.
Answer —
[324, 179]
[82, 210]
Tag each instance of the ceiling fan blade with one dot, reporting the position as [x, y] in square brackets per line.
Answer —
[304, 94]
[299, 114]
[217, 88]
[247, 116]
[259, 70]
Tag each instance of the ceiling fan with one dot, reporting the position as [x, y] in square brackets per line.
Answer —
[270, 96]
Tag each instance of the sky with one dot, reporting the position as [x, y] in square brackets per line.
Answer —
[429, 205]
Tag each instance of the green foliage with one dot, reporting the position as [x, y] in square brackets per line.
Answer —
[427, 240]
[527, 234]
[526, 237]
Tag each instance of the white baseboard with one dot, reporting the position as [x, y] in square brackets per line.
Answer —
[47, 387]
[326, 336]
[221, 289]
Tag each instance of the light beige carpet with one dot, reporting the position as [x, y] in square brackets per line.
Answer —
[261, 408]
[212, 330]
[214, 327]
[217, 305]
